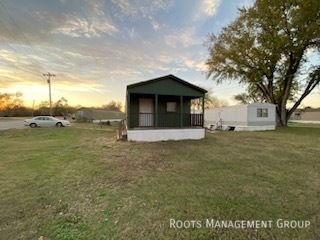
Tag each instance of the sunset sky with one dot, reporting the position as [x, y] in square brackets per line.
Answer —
[97, 47]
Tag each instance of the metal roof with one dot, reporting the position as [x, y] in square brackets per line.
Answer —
[170, 76]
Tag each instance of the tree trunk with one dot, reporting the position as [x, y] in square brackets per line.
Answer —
[281, 116]
[284, 120]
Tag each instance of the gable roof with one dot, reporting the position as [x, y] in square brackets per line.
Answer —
[167, 77]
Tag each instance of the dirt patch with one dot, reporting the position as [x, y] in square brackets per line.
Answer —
[130, 161]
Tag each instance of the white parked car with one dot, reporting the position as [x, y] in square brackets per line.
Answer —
[46, 121]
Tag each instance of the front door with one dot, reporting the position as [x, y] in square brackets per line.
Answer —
[146, 112]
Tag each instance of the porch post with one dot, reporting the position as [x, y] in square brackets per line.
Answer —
[156, 111]
[202, 111]
[181, 111]
[128, 111]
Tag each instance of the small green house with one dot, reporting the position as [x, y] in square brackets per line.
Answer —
[160, 109]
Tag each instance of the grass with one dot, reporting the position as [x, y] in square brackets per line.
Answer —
[79, 183]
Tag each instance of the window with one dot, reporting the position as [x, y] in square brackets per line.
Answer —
[297, 116]
[172, 107]
[262, 112]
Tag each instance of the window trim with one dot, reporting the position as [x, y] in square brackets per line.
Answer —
[170, 109]
[262, 112]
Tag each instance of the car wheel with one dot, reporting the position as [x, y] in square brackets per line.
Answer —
[33, 125]
[59, 124]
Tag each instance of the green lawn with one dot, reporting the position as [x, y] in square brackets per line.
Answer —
[80, 183]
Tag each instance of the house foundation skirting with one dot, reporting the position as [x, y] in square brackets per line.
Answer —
[250, 128]
[240, 126]
[154, 135]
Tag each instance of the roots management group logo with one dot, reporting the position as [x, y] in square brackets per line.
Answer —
[256, 224]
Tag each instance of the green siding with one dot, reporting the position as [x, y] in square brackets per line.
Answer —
[166, 87]
[165, 119]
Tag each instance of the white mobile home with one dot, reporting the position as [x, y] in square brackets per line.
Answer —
[249, 117]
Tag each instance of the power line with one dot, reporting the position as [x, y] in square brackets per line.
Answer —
[14, 49]
[12, 35]
[15, 23]
[22, 47]
[21, 44]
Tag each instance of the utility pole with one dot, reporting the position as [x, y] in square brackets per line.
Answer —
[49, 75]
[32, 107]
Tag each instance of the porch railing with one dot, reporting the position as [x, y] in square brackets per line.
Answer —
[166, 120]
[146, 119]
[122, 130]
[196, 119]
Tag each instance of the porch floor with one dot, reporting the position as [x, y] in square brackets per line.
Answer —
[161, 128]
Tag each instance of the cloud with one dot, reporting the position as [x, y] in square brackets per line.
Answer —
[155, 24]
[207, 8]
[89, 60]
[20, 63]
[139, 8]
[75, 26]
[166, 59]
[89, 19]
[245, 3]
[95, 8]
[196, 65]
[186, 38]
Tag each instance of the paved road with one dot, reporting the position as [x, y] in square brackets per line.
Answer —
[8, 123]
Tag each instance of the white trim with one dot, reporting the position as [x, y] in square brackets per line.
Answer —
[106, 120]
[304, 121]
[154, 135]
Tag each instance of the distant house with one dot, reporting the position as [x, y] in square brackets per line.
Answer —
[248, 117]
[306, 115]
[160, 109]
[97, 115]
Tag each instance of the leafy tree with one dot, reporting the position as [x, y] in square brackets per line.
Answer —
[209, 101]
[43, 108]
[114, 106]
[253, 95]
[266, 48]
[23, 111]
[61, 107]
[9, 102]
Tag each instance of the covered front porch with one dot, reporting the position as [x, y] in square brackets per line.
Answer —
[162, 111]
